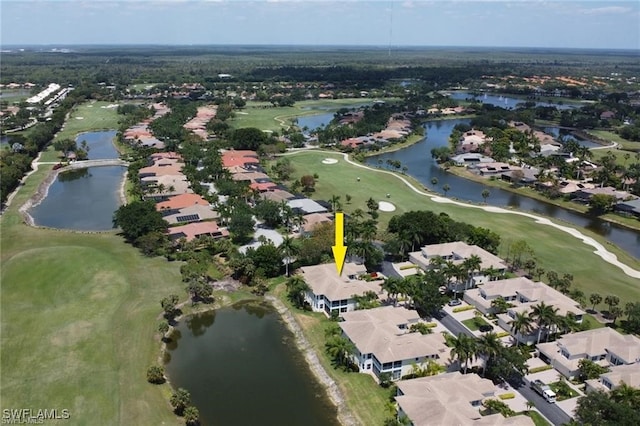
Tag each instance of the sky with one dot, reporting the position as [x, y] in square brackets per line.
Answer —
[519, 23]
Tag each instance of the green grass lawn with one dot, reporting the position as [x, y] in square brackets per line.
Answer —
[474, 323]
[555, 250]
[264, 116]
[591, 323]
[537, 418]
[94, 117]
[79, 315]
[555, 386]
[614, 137]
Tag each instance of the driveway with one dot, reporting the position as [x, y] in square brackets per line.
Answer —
[270, 234]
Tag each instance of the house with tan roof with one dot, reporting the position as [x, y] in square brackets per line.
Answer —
[628, 374]
[195, 230]
[471, 141]
[457, 252]
[604, 346]
[314, 219]
[194, 213]
[175, 203]
[241, 158]
[384, 343]
[522, 294]
[329, 292]
[450, 399]
[277, 195]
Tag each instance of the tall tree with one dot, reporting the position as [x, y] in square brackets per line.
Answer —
[464, 349]
[521, 324]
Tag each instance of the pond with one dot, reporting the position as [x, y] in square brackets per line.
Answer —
[417, 158]
[84, 199]
[508, 101]
[241, 367]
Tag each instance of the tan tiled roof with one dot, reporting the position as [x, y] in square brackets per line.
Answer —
[181, 201]
[194, 230]
[323, 279]
[596, 342]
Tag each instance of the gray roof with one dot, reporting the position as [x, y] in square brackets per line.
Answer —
[306, 205]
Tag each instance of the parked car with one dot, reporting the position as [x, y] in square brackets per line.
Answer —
[455, 302]
[485, 327]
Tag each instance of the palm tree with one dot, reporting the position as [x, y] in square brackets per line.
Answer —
[297, 287]
[446, 188]
[490, 346]
[287, 248]
[521, 324]
[454, 273]
[470, 264]
[335, 203]
[392, 286]
[595, 299]
[340, 349]
[464, 349]
[544, 315]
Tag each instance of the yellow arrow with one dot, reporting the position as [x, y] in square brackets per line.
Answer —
[339, 250]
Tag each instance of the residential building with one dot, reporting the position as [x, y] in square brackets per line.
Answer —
[628, 374]
[450, 399]
[457, 252]
[305, 206]
[194, 213]
[195, 230]
[329, 292]
[522, 294]
[384, 343]
[471, 141]
[177, 202]
[604, 346]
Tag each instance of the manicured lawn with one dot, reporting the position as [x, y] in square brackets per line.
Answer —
[555, 250]
[264, 116]
[555, 386]
[537, 418]
[94, 117]
[614, 137]
[474, 323]
[79, 313]
[591, 322]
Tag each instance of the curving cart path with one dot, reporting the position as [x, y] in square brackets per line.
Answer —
[599, 249]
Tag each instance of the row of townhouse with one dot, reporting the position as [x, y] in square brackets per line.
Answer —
[189, 215]
[384, 344]
[522, 294]
[140, 134]
[457, 252]
[198, 124]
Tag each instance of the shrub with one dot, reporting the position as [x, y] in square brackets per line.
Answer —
[155, 375]
[404, 267]
[463, 308]
[503, 334]
[508, 395]
[539, 369]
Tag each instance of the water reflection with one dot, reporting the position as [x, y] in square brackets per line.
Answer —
[72, 175]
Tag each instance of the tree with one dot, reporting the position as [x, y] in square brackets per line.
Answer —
[489, 345]
[348, 198]
[521, 324]
[335, 203]
[544, 315]
[599, 408]
[180, 400]
[267, 258]
[601, 204]
[155, 375]
[163, 328]
[169, 306]
[434, 181]
[341, 350]
[611, 301]
[595, 299]
[614, 313]
[485, 194]
[191, 416]
[464, 349]
[296, 290]
[241, 226]
[372, 205]
[308, 183]
[137, 219]
[200, 291]
[588, 370]
[288, 248]
[495, 406]
[270, 212]
[499, 305]
[446, 188]
[248, 138]
[421, 328]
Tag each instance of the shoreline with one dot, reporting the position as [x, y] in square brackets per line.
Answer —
[334, 394]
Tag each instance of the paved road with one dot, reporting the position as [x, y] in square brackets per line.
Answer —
[552, 412]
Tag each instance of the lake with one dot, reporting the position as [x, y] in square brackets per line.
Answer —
[507, 101]
[241, 366]
[84, 199]
[420, 165]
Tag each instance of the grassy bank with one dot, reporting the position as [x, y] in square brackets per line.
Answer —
[79, 315]
[555, 250]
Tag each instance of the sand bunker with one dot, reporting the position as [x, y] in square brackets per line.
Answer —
[79, 118]
[331, 161]
[386, 206]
